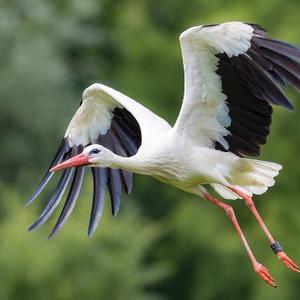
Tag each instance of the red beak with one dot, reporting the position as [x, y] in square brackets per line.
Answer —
[77, 160]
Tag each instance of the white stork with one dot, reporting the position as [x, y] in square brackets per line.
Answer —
[233, 72]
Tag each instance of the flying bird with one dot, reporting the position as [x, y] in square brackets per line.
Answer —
[233, 73]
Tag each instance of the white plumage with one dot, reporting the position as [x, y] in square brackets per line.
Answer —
[232, 72]
[94, 115]
[204, 113]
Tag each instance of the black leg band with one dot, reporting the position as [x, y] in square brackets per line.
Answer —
[276, 247]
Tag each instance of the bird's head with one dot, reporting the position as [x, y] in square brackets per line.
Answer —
[93, 155]
[98, 155]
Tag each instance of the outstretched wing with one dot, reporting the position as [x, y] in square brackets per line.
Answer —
[113, 120]
[233, 73]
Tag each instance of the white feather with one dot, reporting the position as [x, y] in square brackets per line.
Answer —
[225, 192]
[95, 113]
[204, 112]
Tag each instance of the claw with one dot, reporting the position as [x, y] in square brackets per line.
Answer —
[263, 272]
[288, 262]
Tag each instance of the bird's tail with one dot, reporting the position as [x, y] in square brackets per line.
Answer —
[254, 177]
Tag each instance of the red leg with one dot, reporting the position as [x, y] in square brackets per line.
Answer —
[261, 270]
[274, 244]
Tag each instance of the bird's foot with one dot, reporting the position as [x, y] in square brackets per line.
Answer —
[288, 262]
[264, 274]
[283, 257]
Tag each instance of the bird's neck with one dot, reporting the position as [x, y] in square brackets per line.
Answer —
[146, 164]
[126, 163]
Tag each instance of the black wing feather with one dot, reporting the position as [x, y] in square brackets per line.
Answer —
[115, 189]
[100, 180]
[54, 200]
[251, 81]
[120, 150]
[122, 138]
[279, 47]
[71, 199]
[128, 143]
[58, 157]
[114, 182]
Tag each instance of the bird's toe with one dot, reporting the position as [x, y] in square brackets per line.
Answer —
[263, 272]
[288, 261]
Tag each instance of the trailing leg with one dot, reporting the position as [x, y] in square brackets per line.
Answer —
[261, 270]
[274, 244]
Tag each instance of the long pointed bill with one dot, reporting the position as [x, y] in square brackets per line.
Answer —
[75, 161]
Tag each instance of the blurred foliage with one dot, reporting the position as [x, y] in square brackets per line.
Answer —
[111, 266]
[164, 244]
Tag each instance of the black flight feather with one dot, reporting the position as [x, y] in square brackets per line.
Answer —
[279, 47]
[115, 189]
[62, 150]
[54, 200]
[251, 81]
[100, 180]
[120, 150]
[123, 138]
[71, 199]
[114, 182]
[128, 143]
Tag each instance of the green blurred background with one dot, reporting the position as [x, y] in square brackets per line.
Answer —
[164, 244]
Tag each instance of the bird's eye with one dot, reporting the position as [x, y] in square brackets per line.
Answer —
[94, 151]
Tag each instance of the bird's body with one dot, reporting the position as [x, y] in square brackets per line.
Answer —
[232, 73]
[170, 155]
[177, 163]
